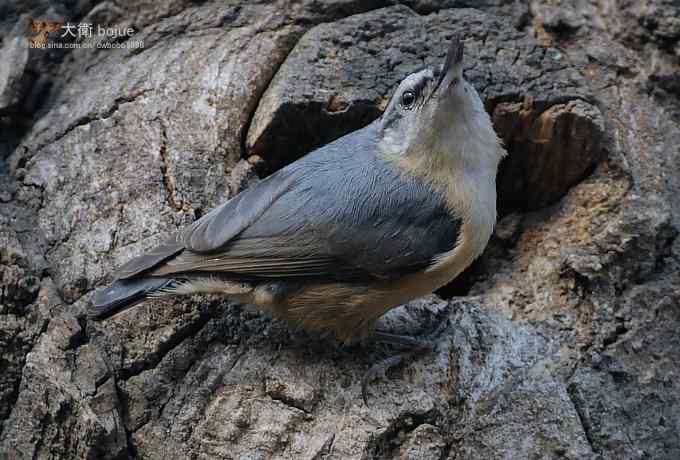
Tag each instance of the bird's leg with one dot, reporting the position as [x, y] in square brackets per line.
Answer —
[412, 346]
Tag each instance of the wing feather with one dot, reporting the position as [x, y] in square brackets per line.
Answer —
[150, 259]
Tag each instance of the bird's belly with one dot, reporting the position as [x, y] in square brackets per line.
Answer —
[349, 310]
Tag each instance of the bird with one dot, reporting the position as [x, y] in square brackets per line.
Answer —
[329, 243]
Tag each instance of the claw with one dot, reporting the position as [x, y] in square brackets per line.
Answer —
[415, 346]
[425, 344]
[379, 370]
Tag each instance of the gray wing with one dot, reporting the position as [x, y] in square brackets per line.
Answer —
[341, 212]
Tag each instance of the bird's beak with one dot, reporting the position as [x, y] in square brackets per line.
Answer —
[452, 71]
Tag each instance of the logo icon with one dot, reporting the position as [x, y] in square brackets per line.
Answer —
[42, 28]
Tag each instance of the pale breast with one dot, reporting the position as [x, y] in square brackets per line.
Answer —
[472, 197]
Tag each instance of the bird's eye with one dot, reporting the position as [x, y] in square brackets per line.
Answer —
[408, 99]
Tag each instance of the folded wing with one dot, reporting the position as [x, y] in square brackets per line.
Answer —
[340, 213]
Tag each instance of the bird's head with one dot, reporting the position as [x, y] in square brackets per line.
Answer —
[436, 116]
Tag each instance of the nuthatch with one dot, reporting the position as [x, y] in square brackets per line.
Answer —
[329, 243]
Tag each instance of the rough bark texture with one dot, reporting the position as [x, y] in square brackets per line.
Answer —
[562, 343]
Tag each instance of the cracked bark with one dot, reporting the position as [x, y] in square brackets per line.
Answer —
[166, 171]
[583, 419]
[548, 301]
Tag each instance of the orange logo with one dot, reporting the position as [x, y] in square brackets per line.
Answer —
[43, 29]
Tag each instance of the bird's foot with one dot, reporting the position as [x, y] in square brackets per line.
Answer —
[412, 346]
[379, 371]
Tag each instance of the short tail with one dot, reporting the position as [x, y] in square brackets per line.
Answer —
[123, 294]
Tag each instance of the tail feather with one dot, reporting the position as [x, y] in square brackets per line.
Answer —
[123, 294]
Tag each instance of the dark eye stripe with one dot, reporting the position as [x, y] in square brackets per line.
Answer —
[420, 84]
